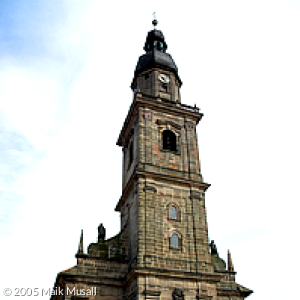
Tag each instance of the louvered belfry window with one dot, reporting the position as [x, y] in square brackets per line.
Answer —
[169, 140]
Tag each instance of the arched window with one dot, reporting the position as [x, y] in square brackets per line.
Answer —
[164, 88]
[175, 240]
[173, 212]
[169, 140]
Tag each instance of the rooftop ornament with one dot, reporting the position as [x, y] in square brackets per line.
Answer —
[101, 233]
[213, 248]
[154, 22]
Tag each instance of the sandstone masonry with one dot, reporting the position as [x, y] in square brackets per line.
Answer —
[162, 250]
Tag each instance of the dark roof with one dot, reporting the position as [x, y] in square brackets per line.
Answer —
[155, 35]
[156, 56]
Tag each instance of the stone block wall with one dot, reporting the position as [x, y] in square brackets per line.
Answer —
[152, 157]
[155, 227]
[148, 84]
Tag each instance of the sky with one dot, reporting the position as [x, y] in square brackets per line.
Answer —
[65, 74]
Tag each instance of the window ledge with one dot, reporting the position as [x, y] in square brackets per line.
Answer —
[177, 152]
[175, 248]
[176, 220]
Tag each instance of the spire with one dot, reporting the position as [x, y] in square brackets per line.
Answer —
[80, 246]
[154, 22]
[229, 262]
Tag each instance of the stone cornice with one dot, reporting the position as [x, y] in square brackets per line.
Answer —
[178, 274]
[230, 292]
[92, 279]
[158, 105]
[179, 180]
[138, 173]
[159, 272]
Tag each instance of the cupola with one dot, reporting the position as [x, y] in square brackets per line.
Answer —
[155, 56]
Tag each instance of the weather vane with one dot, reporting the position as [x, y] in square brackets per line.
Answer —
[154, 22]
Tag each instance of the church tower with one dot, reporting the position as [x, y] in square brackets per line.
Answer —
[162, 250]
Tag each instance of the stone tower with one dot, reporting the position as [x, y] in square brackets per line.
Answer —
[162, 251]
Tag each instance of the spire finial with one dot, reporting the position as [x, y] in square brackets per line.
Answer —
[80, 246]
[229, 262]
[154, 22]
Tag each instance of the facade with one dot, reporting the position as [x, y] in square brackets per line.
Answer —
[162, 251]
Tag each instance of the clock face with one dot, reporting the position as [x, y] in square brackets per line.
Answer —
[163, 78]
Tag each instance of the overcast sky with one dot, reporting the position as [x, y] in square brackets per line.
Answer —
[65, 72]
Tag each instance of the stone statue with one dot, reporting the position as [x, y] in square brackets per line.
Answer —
[101, 233]
[177, 295]
[213, 248]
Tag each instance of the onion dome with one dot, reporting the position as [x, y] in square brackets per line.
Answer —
[156, 56]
